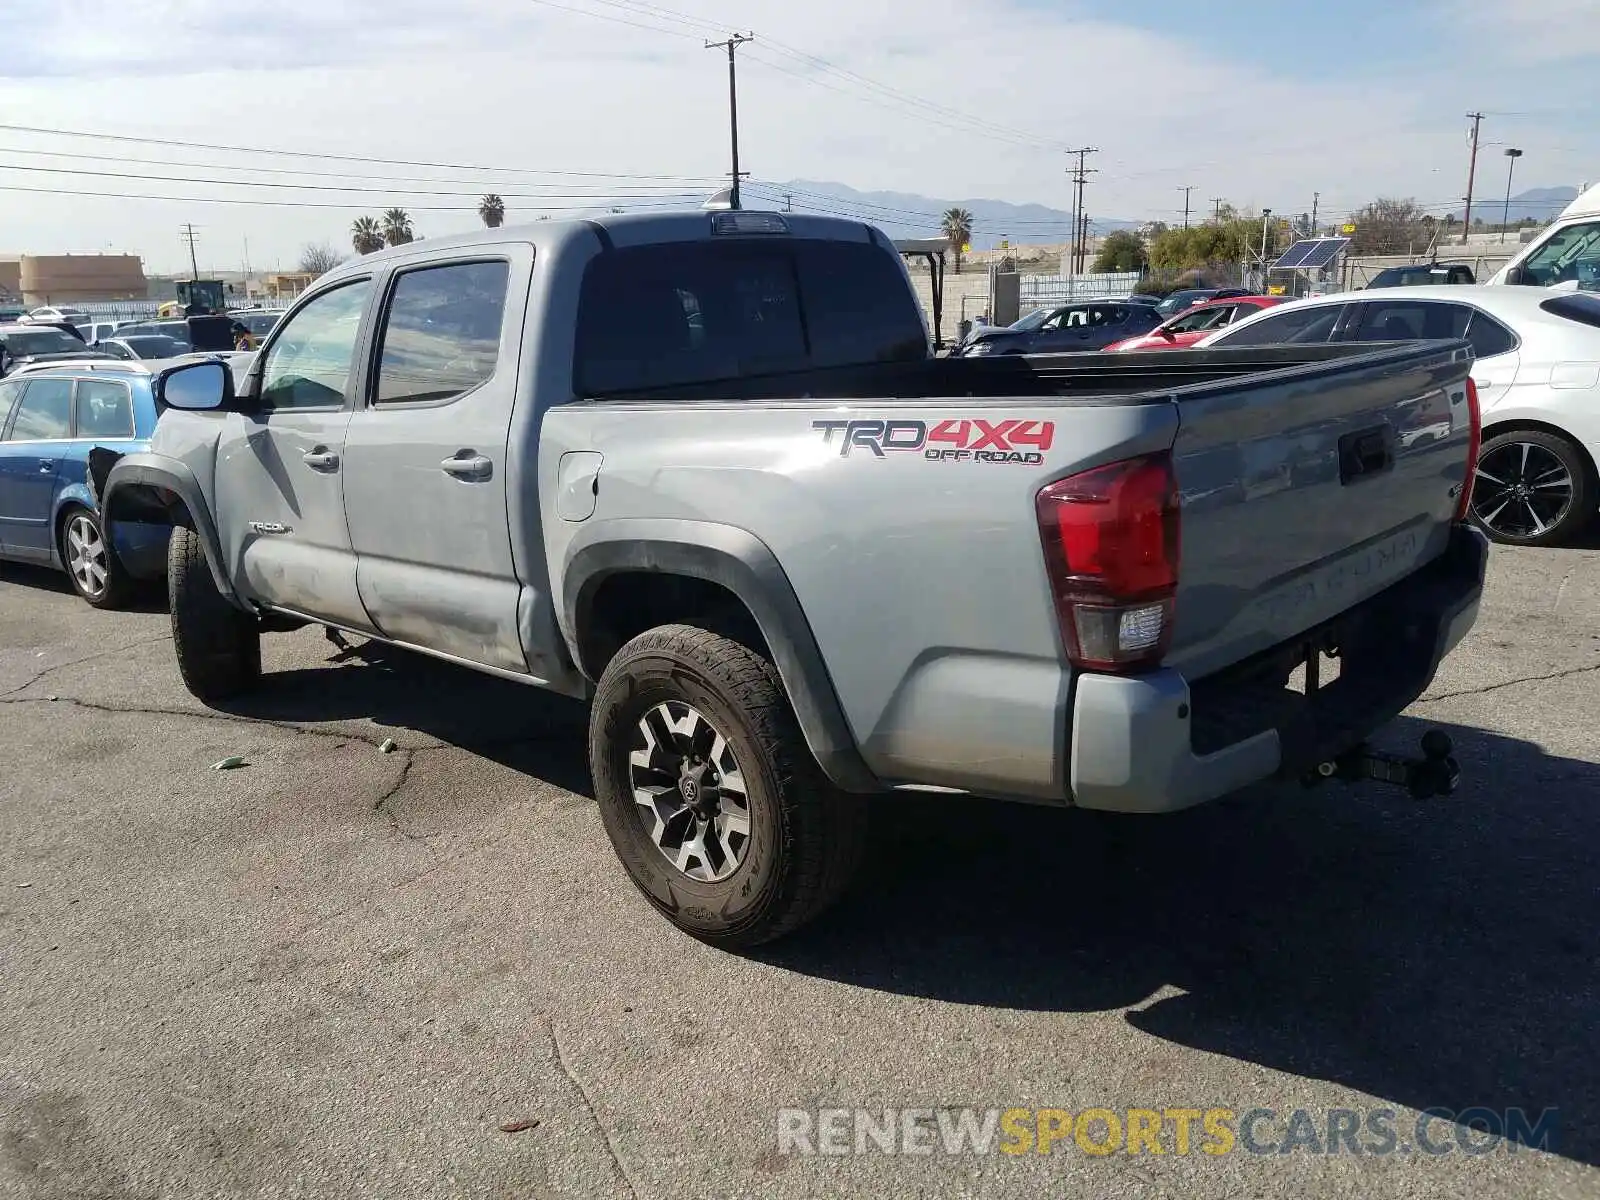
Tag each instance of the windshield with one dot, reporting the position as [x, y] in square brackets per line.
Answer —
[43, 341]
[1179, 301]
[156, 346]
[1033, 320]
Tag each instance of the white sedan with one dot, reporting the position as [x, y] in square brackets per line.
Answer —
[1538, 381]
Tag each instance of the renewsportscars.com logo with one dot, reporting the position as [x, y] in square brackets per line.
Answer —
[1214, 1132]
[962, 439]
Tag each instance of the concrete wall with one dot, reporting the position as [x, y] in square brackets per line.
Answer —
[65, 278]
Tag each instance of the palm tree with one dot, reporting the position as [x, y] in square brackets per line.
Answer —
[493, 211]
[397, 227]
[956, 225]
[366, 235]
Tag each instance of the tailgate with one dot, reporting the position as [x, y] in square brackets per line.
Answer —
[1306, 491]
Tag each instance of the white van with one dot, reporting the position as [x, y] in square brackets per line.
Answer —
[1566, 254]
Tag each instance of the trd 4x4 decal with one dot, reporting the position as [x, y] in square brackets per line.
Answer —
[967, 439]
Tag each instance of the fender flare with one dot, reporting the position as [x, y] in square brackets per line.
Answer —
[146, 470]
[740, 562]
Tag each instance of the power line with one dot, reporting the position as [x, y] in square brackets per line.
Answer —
[312, 187]
[637, 206]
[327, 157]
[305, 172]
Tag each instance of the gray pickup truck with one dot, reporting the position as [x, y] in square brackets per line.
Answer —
[702, 470]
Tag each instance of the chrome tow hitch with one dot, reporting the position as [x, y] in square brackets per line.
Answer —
[1436, 773]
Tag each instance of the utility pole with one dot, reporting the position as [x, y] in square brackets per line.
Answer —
[1316, 199]
[788, 202]
[1472, 170]
[1216, 209]
[190, 236]
[733, 43]
[1080, 176]
[1083, 243]
[1187, 189]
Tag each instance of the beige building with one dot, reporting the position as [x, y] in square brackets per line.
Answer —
[73, 278]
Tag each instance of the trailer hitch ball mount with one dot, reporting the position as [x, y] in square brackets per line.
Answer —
[1435, 773]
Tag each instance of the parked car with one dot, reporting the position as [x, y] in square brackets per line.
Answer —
[142, 345]
[25, 345]
[1186, 298]
[1538, 381]
[1187, 328]
[876, 570]
[52, 418]
[1084, 325]
[1423, 275]
[49, 314]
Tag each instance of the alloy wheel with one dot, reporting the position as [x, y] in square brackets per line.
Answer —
[1522, 490]
[689, 792]
[86, 556]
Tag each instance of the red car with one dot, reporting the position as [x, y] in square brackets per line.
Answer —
[1196, 323]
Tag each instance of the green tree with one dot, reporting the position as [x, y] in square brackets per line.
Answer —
[1120, 251]
[493, 211]
[397, 229]
[956, 225]
[366, 235]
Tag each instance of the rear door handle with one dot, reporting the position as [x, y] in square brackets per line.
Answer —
[47, 466]
[467, 464]
[321, 459]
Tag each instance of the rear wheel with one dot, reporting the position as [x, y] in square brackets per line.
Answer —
[1532, 488]
[708, 792]
[93, 569]
[218, 646]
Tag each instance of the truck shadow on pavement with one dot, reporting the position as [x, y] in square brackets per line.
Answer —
[1439, 953]
[1428, 953]
[527, 729]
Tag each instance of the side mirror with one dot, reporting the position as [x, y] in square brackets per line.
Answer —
[201, 387]
[1516, 276]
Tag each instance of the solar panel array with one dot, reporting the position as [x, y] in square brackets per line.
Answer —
[1310, 254]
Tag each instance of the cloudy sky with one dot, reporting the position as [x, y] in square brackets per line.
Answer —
[563, 104]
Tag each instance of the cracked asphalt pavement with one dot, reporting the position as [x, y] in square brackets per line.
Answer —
[339, 971]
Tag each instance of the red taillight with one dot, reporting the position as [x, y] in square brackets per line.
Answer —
[1474, 444]
[1111, 550]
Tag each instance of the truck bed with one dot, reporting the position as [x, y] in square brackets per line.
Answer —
[1096, 375]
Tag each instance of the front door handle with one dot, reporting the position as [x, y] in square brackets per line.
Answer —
[47, 466]
[467, 464]
[320, 458]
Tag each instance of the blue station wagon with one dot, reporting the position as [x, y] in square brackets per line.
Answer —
[51, 419]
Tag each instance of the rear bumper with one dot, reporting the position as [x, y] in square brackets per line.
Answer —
[1158, 743]
[141, 548]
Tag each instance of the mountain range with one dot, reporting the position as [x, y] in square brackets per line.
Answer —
[910, 215]
[1542, 204]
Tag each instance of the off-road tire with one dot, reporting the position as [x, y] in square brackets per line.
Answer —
[806, 838]
[218, 645]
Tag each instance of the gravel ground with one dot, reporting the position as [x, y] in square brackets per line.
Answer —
[338, 971]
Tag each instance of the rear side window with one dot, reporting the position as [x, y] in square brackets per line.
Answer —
[45, 412]
[1297, 326]
[8, 399]
[441, 335]
[1584, 309]
[698, 312]
[1489, 337]
[105, 409]
[1407, 321]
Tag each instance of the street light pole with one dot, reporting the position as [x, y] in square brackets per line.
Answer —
[1512, 154]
